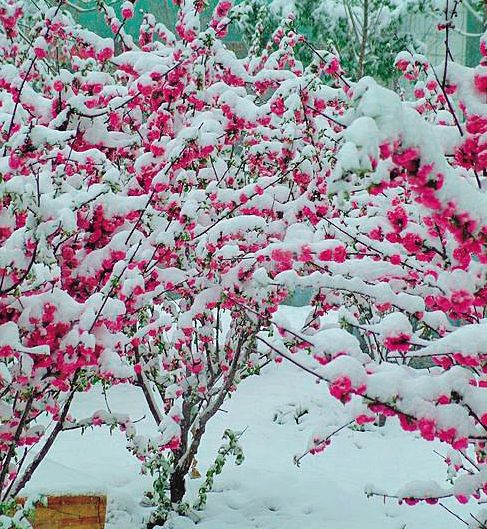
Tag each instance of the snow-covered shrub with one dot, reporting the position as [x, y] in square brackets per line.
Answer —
[58, 319]
[159, 202]
[399, 250]
[132, 203]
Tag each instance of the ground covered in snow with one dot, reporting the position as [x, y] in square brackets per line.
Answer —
[268, 491]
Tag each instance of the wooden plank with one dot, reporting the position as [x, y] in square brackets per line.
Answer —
[71, 512]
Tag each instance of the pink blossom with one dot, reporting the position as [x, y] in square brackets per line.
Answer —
[340, 388]
[480, 81]
[127, 10]
[277, 106]
[399, 342]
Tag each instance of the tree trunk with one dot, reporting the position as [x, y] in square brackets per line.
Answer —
[365, 37]
[177, 485]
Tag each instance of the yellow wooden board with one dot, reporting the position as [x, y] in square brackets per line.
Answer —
[71, 512]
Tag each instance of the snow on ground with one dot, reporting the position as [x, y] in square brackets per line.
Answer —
[267, 491]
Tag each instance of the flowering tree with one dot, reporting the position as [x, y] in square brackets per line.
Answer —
[131, 204]
[158, 203]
